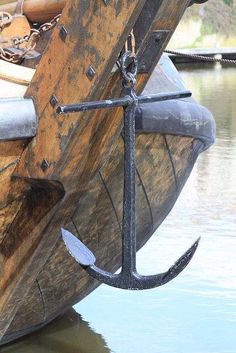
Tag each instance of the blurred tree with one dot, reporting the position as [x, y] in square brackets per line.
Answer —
[228, 2]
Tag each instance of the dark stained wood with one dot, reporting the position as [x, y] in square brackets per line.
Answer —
[9, 157]
[36, 313]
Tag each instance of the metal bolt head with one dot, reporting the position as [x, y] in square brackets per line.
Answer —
[44, 165]
[63, 33]
[90, 73]
[53, 101]
[142, 68]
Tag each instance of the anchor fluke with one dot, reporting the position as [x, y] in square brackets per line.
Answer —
[181, 263]
[77, 249]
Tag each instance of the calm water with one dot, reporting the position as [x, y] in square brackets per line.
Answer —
[196, 313]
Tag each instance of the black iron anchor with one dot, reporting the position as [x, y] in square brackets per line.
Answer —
[128, 278]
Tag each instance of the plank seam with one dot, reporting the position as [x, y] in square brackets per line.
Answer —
[42, 298]
[172, 162]
[146, 196]
[110, 198]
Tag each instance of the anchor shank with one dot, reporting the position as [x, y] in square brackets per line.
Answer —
[129, 232]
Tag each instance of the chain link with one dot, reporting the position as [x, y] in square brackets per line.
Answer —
[128, 70]
[5, 19]
[132, 42]
[127, 62]
[31, 39]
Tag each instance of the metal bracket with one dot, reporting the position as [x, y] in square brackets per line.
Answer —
[150, 51]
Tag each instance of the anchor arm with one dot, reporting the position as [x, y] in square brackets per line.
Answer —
[126, 279]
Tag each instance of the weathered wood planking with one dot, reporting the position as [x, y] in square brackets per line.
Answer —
[61, 71]
[64, 75]
[111, 124]
[71, 85]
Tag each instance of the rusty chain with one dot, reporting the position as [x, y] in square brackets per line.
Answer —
[131, 41]
[31, 39]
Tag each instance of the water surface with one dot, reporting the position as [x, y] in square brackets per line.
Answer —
[196, 313]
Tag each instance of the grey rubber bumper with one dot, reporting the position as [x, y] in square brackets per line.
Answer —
[182, 117]
[177, 117]
[17, 119]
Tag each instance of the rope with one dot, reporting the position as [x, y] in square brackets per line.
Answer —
[201, 57]
[19, 7]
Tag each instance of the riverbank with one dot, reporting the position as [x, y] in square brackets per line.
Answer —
[210, 25]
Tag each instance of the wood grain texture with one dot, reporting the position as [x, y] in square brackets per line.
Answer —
[60, 74]
[9, 157]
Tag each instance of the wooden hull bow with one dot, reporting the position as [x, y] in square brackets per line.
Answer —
[70, 174]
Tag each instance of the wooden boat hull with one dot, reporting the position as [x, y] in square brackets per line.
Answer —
[163, 163]
[71, 173]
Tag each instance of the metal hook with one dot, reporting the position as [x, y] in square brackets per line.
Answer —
[128, 65]
[128, 278]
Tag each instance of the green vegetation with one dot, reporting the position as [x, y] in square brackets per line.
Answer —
[210, 24]
[228, 2]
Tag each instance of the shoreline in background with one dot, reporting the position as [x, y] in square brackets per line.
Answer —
[210, 25]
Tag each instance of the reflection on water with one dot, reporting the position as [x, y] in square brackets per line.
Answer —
[67, 334]
[196, 313]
